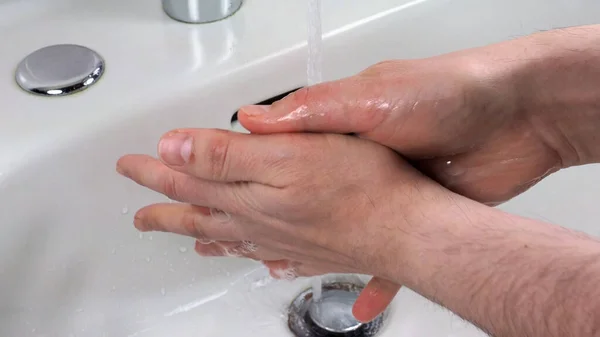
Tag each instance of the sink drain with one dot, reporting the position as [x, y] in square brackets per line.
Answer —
[331, 316]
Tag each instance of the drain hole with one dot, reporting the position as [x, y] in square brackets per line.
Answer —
[235, 123]
[332, 315]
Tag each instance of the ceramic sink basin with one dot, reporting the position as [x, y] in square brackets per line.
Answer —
[71, 263]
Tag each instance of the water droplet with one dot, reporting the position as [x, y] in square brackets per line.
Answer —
[113, 288]
[148, 259]
[165, 253]
[163, 291]
[183, 249]
[150, 237]
[141, 236]
[114, 251]
[79, 310]
[124, 210]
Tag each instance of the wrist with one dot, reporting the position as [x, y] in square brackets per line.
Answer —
[550, 83]
[432, 243]
[556, 79]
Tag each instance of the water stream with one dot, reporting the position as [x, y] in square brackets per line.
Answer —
[314, 76]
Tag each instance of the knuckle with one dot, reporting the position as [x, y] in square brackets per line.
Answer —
[309, 94]
[296, 98]
[387, 69]
[218, 156]
[169, 187]
[191, 223]
[386, 64]
[384, 67]
[375, 70]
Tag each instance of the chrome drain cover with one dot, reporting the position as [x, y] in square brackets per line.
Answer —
[331, 316]
[59, 70]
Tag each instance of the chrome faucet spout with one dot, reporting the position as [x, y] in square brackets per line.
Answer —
[200, 11]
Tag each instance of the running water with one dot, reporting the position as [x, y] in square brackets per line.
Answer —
[314, 76]
[315, 43]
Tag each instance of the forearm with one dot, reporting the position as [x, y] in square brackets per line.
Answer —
[509, 275]
[556, 79]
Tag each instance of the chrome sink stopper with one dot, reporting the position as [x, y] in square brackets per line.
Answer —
[59, 70]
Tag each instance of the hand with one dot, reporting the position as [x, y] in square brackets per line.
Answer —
[466, 131]
[459, 118]
[306, 204]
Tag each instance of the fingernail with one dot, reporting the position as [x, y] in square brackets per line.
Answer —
[175, 149]
[256, 110]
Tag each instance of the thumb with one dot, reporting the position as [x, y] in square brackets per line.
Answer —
[374, 299]
[344, 106]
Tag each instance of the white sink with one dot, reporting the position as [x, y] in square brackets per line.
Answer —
[71, 263]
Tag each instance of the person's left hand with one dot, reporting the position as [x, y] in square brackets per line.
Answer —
[306, 204]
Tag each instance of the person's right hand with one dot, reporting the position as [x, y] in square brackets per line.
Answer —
[456, 117]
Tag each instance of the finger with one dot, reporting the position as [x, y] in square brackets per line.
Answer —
[352, 105]
[290, 269]
[374, 299]
[225, 156]
[282, 270]
[245, 249]
[186, 220]
[151, 173]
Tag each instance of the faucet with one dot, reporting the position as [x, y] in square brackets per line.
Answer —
[200, 11]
